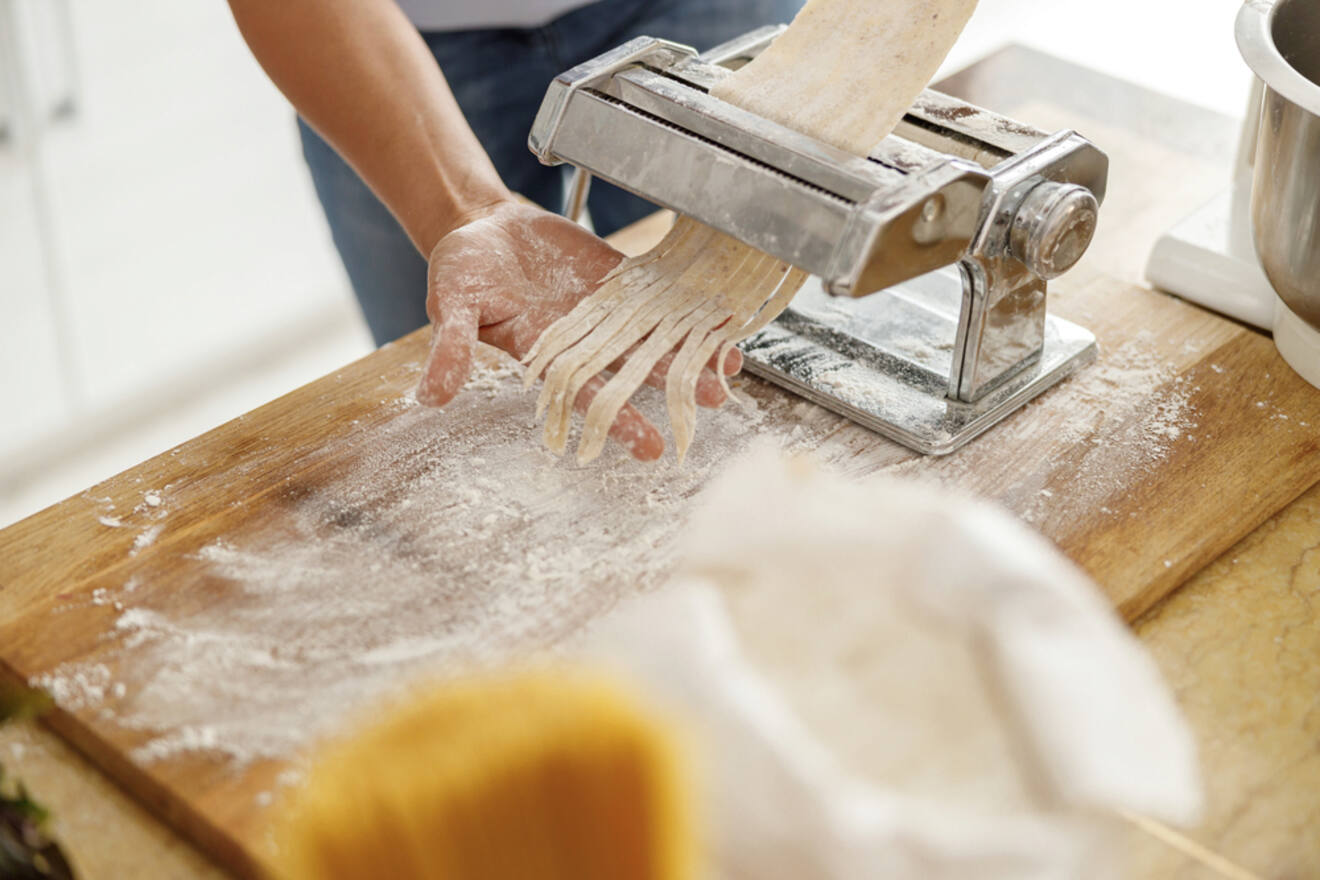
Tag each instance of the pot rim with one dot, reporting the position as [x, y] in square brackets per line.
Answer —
[1255, 39]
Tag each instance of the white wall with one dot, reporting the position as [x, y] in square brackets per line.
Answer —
[186, 240]
[1183, 48]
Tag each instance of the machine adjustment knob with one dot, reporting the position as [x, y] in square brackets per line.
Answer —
[1053, 227]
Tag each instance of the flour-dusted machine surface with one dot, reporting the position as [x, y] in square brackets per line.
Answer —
[926, 319]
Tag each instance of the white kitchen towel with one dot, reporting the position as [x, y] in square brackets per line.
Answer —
[893, 680]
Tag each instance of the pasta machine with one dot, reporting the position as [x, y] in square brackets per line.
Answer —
[926, 317]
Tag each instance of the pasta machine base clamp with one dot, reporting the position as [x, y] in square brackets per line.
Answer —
[926, 320]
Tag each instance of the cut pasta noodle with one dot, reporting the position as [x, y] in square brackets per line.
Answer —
[844, 72]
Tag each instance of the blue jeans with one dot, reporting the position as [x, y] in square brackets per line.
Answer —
[499, 78]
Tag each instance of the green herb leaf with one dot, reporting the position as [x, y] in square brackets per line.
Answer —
[26, 853]
[18, 703]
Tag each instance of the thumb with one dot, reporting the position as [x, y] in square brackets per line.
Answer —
[447, 366]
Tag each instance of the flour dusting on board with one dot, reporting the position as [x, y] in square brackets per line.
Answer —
[352, 584]
[442, 539]
[1117, 420]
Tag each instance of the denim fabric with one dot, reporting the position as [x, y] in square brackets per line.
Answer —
[499, 77]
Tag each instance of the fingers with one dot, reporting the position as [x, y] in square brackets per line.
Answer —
[450, 360]
[710, 393]
[631, 430]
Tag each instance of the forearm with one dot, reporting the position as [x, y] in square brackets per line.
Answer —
[360, 74]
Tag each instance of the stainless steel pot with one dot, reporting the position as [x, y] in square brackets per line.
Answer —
[1280, 40]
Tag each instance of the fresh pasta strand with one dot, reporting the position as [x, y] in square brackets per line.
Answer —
[614, 287]
[619, 331]
[691, 329]
[845, 72]
[624, 383]
[682, 404]
[697, 349]
[618, 306]
[787, 289]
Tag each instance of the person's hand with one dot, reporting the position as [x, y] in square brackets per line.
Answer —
[504, 277]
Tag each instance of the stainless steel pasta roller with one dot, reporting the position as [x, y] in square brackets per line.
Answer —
[926, 320]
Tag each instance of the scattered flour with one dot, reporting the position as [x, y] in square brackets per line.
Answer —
[1118, 419]
[183, 739]
[151, 510]
[451, 538]
[77, 688]
[146, 538]
[490, 382]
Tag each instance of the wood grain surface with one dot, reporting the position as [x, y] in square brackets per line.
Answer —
[1186, 435]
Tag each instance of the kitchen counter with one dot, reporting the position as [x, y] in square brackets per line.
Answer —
[1237, 642]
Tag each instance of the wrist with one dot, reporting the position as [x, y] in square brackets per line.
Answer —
[457, 212]
[475, 209]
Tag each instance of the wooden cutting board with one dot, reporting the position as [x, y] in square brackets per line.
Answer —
[202, 616]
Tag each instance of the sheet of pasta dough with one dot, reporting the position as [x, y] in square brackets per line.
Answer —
[846, 71]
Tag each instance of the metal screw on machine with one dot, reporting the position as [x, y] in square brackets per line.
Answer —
[1053, 227]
